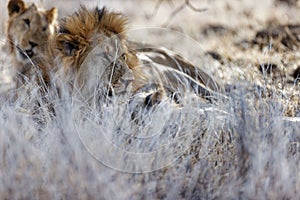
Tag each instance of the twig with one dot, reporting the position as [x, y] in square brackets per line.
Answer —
[192, 7]
[186, 3]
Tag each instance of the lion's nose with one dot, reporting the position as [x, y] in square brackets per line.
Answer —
[32, 44]
[29, 53]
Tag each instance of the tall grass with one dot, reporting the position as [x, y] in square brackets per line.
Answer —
[55, 147]
[239, 148]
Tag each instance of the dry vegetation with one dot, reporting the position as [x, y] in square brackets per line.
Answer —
[244, 147]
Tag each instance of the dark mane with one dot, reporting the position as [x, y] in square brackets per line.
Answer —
[85, 21]
[100, 12]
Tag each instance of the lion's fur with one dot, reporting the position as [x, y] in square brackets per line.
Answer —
[93, 43]
[84, 23]
[81, 32]
[28, 30]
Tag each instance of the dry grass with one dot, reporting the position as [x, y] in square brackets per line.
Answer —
[245, 147]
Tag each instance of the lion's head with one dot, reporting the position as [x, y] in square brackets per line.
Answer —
[28, 31]
[93, 43]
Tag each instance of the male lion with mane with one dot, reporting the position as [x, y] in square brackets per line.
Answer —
[94, 54]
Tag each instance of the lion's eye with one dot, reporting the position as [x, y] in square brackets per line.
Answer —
[27, 22]
[70, 48]
[44, 28]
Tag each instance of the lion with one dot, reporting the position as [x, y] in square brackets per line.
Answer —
[100, 33]
[94, 53]
[28, 30]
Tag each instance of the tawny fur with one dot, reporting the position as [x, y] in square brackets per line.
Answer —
[88, 37]
[81, 32]
[28, 31]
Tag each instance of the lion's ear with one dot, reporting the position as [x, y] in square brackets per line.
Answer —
[51, 15]
[15, 7]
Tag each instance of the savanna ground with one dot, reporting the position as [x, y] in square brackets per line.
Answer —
[243, 147]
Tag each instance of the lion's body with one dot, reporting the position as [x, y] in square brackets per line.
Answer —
[92, 47]
[28, 30]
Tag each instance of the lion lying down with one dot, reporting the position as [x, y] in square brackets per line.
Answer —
[90, 51]
[94, 55]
